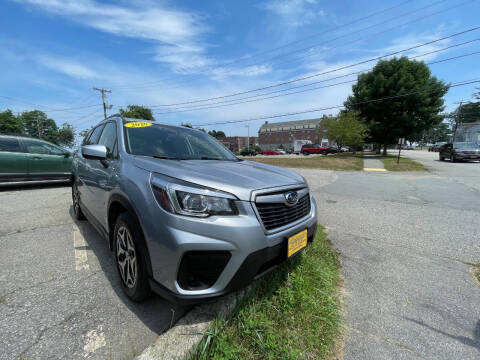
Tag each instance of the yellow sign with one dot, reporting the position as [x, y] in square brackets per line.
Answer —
[297, 242]
[137, 124]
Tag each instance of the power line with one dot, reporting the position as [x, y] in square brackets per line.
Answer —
[324, 72]
[257, 97]
[243, 58]
[45, 106]
[396, 17]
[463, 83]
[342, 36]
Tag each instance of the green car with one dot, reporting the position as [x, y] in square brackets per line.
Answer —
[27, 159]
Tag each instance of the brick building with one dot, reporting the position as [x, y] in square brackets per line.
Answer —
[272, 135]
[237, 143]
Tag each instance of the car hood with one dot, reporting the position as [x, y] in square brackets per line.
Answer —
[237, 178]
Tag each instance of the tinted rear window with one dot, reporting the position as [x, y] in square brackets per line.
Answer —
[10, 145]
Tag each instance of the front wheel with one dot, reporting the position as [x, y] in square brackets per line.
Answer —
[324, 153]
[77, 211]
[128, 257]
[305, 153]
[453, 158]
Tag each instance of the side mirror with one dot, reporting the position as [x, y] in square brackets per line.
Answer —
[94, 152]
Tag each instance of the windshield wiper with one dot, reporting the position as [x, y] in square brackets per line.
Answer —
[165, 157]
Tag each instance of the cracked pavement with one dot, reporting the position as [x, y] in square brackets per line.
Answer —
[407, 242]
[48, 308]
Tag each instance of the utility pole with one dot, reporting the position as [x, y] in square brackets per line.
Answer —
[248, 136]
[456, 120]
[104, 99]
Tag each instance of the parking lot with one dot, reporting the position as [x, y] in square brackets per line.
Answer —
[60, 292]
[406, 241]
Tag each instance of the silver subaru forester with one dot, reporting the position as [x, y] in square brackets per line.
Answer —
[184, 217]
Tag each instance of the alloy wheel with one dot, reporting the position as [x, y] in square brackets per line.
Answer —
[126, 257]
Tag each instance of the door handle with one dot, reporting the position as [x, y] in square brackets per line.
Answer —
[36, 158]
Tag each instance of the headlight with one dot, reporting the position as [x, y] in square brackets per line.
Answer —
[189, 199]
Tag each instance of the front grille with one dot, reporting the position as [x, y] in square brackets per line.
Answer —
[274, 215]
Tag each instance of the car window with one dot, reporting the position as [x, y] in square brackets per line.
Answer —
[10, 145]
[39, 147]
[109, 138]
[94, 135]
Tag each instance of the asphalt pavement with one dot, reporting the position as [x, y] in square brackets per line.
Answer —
[60, 296]
[406, 243]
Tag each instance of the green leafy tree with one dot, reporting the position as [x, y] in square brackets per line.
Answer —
[9, 123]
[66, 135]
[217, 134]
[346, 129]
[400, 117]
[36, 124]
[137, 112]
[439, 132]
[468, 112]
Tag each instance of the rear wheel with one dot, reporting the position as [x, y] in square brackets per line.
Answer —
[77, 211]
[324, 152]
[129, 258]
[453, 158]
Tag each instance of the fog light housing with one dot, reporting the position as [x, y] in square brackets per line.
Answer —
[199, 270]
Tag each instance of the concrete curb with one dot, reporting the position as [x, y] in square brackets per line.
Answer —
[181, 339]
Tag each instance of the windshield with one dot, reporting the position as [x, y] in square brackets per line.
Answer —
[171, 142]
[466, 145]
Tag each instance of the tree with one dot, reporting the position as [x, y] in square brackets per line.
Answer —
[399, 117]
[9, 123]
[346, 129]
[217, 134]
[66, 135]
[137, 112]
[36, 124]
[439, 132]
[468, 112]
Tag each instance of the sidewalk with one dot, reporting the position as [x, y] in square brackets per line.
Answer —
[371, 163]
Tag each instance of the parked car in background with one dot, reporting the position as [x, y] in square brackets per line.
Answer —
[308, 149]
[248, 152]
[183, 216]
[458, 151]
[271, 152]
[297, 145]
[281, 151]
[27, 159]
[435, 147]
[345, 149]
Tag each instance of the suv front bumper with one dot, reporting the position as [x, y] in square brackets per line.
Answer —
[254, 252]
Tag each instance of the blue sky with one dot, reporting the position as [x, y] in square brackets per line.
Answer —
[168, 52]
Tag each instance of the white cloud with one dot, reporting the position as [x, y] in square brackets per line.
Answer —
[177, 32]
[294, 12]
[67, 66]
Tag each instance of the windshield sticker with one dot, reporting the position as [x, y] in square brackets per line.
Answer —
[137, 124]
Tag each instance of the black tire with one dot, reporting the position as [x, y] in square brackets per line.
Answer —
[453, 158]
[77, 210]
[441, 158]
[306, 153]
[127, 247]
[324, 153]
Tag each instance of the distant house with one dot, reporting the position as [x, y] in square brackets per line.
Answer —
[468, 132]
[272, 135]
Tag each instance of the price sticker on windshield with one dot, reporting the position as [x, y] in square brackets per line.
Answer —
[137, 124]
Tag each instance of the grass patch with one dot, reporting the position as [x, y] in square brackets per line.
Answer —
[291, 313]
[476, 272]
[390, 164]
[329, 162]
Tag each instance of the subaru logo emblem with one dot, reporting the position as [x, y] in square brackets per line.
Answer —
[291, 197]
